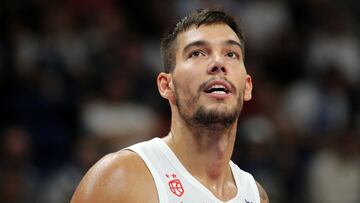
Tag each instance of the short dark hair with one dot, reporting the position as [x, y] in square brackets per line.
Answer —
[198, 18]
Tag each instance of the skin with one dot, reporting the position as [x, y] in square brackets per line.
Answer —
[204, 54]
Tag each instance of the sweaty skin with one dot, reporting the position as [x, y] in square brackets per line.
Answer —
[205, 53]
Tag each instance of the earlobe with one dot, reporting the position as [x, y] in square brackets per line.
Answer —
[164, 81]
[248, 88]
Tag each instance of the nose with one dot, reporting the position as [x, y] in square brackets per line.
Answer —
[217, 66]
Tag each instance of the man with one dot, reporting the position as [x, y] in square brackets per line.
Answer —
[205, 82]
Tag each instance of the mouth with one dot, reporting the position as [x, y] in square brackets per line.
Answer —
[218, 87]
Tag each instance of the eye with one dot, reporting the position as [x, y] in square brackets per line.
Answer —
[232, 54]
[195, 54]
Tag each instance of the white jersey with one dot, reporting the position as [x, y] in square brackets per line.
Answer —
[175, 184]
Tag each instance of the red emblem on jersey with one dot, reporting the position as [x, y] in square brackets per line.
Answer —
[175, 186]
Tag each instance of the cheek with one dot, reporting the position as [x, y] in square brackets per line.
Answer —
[240, 87]
[188, 80]
[190, 76]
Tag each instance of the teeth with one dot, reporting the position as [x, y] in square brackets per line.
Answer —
[218, 86]
[219, 92]
[218, 89]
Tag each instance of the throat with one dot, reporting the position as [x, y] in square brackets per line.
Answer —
[207, 159]
[211, 154]
[220, 181]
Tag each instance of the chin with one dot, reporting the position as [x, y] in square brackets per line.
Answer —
[222, 108]
[216, 116]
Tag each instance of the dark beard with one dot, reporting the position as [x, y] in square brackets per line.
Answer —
[204, 119]
[214, 120]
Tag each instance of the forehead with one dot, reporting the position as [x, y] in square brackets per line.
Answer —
[215, 33]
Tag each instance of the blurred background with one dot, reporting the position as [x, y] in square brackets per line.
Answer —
[77, 81]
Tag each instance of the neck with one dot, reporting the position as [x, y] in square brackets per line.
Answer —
[207, 153]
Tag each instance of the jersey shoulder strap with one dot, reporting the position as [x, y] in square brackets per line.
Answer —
[246, 184]
[149, 152]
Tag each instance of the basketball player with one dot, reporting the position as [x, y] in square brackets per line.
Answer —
[206, 83]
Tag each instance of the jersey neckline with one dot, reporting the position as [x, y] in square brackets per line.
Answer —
[170, 155]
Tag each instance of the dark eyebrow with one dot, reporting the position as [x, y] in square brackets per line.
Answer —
[204, 43]
[195, 44]
[233, 42]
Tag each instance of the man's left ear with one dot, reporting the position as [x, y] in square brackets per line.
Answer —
[248, 88]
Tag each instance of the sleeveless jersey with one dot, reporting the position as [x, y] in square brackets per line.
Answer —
[175, 184]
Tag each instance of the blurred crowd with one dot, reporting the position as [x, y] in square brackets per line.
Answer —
[77, 81]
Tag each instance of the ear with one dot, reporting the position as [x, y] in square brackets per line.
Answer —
[248, 88]
[164, 83]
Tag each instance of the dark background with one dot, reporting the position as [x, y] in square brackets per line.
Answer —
[77, 81]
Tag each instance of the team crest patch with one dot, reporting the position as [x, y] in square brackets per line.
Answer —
[175, 185]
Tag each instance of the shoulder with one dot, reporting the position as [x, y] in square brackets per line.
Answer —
[263, 195]
[117, 177]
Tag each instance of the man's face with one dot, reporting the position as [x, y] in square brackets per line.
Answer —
[210, 81]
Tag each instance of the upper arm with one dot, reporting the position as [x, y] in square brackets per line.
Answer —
[115, 178]
[263, 195]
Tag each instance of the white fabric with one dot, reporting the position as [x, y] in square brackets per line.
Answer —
[167, 171]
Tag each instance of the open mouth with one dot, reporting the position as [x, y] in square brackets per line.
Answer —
[217, 89]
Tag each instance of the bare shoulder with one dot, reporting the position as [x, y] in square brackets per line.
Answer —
[117, 177]
[263, 195]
